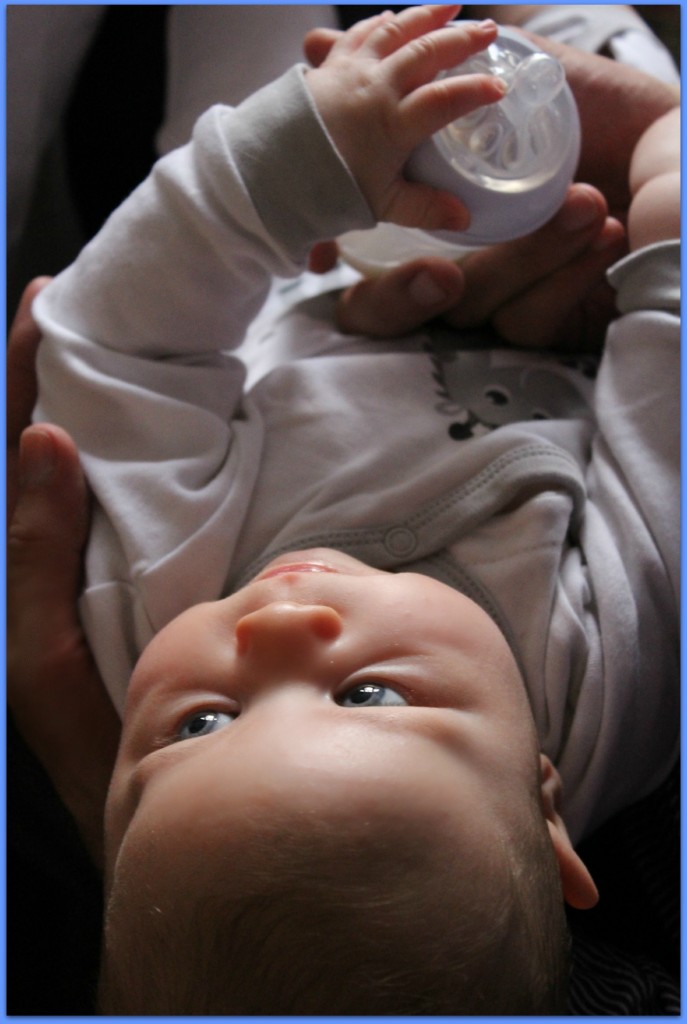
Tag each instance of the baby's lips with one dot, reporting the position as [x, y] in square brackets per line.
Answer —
[289, 567]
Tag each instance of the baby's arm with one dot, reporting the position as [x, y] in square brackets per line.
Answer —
[133, 363]
[630, 533]
[637, 394]
[185, 263]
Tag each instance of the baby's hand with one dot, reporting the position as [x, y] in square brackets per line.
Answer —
[376, 93]
[655, 183]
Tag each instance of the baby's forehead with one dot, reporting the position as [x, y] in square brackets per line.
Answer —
[387, 791]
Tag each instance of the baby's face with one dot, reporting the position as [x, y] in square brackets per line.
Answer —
[323, 687]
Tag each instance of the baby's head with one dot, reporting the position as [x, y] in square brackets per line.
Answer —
[328, 800]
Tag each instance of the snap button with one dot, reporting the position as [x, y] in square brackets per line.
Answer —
[400, 541]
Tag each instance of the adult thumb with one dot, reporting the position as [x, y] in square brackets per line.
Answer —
[401, 299]
[57, 698]
[49, 523]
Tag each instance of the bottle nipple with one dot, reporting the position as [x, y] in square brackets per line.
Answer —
[537, 80]
[520, 136]
[534, 86]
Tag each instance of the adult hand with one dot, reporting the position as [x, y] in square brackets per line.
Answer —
[565, 302]
[545, 290]
[55, 694]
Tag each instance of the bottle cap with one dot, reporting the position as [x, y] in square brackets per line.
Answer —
[510, 162]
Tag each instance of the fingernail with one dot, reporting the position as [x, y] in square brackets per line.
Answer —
[37, 462]
[424, 290]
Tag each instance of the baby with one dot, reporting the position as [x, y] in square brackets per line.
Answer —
[363, 826]
[335, 791]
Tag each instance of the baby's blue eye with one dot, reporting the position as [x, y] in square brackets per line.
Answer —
[202, 723]
[370, 695]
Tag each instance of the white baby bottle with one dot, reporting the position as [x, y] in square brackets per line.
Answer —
[510, 162]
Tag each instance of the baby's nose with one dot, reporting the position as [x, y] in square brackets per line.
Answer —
[284, 629]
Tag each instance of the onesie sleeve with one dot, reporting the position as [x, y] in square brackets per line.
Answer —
[638, 394]
[182, 267]
[134, 361]
[629, 541]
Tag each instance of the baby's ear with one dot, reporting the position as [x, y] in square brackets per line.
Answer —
[579, 890]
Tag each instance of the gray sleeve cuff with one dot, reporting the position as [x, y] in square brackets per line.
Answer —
[648, 279]
[299, 184]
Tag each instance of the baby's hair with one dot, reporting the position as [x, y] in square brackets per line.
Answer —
[354, 925]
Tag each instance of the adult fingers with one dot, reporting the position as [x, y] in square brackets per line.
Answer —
[51, 515]
[22, 344]
[500, 273]
[400, 300]
[55, 693]
[570, 309]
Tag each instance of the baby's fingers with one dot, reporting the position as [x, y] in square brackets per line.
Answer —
[318, 43]
[414, 205]
[342, 43]
[423, 58]
[497, 275]
[381, 34]
[393, 31]
[431, 107]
